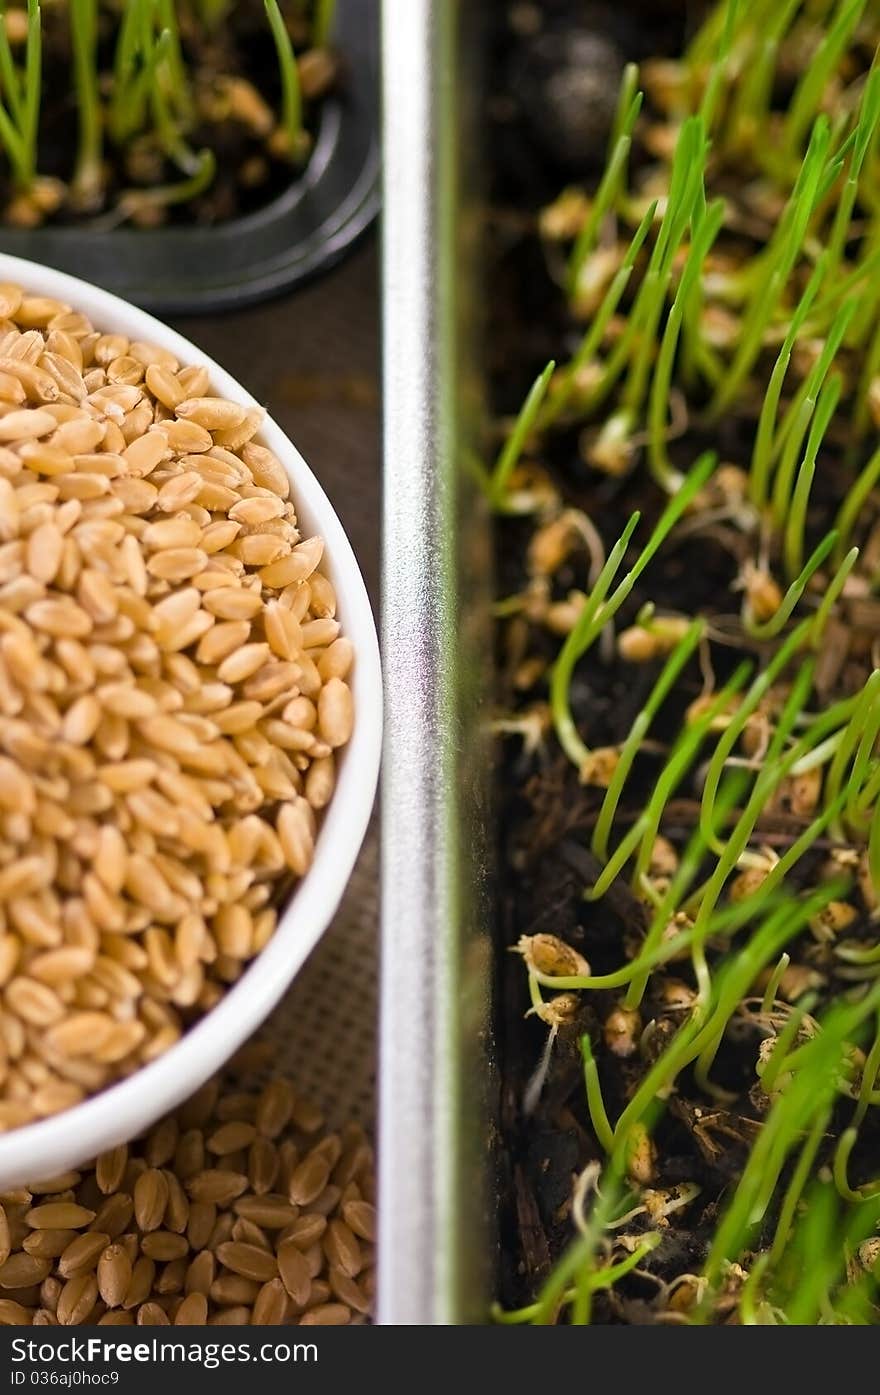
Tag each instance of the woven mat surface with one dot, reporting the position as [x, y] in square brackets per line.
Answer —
[312, 358]
[324, 1032]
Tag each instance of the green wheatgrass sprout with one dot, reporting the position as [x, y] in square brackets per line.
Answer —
[669, 674]
[561, 390]
[640, 838]
[128, 101]
[213, 13]
[610, 185]
[599, 612]
[323, 23]
[21, 90]
[808, 95]
[704, 232]
[801, 1112]
[795, 1125]
[291, 116]
[175, 80]
[152, 90]
[496, 483]
[794, 382]
[150, 85]
[814, 1073]
[775, 265]
[795, 423]
[764, 284]
[87, 179]
[203, 169]
[685, 199]
[589, 1265]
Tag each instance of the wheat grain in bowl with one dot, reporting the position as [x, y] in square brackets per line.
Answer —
[173, 697]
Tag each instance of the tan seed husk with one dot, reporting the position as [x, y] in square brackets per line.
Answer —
[13, 1314]
[212, 413]
[231, 1137]
[263, 1165]
[115, 1214]
[231, 1317]
[274, 1108]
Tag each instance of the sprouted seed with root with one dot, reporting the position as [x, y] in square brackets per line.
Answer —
[722, 286]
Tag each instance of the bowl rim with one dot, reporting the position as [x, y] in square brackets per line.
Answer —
[125, 1109]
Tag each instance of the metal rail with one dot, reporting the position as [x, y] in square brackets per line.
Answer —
[435, 1073]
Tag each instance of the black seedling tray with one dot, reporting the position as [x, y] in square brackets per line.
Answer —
[181, 270]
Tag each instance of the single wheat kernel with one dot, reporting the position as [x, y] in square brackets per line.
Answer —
[326, 1315]
[193, 1311]
[81, 1255]
[113, 1275]
[212, 413]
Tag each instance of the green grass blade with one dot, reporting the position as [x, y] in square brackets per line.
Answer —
[762, 452]
[590, 343]
[781, 256]
[668, 676]
[512, 449]
[658, 409]
[324, 23]
[795, 524]
[606, 194]
[84, 42]
[808, 95]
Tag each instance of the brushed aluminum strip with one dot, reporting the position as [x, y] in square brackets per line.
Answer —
[435, 1081]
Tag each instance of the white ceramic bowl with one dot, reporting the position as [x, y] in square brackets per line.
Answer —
[121, 1112]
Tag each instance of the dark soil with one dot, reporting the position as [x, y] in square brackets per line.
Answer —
[540, 143]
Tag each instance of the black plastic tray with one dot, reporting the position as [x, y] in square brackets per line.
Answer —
[303, 231]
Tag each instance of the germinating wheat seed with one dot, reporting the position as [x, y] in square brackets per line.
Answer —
[172, 696]
[240, 1208]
